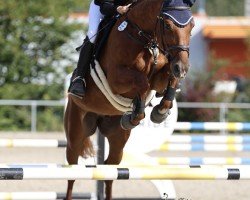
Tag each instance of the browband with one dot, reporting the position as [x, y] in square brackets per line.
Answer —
[176, 8]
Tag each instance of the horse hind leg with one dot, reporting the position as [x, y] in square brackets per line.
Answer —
[117, 138]
[116, 145]
[71, 156]
[78, 142]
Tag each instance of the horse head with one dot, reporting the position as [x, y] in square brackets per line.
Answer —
[176, 23]
[166, 25]
[164, 28]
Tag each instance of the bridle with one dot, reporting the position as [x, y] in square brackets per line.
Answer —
[149, 41]
[160, 19]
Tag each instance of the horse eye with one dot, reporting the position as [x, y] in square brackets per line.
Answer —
[167, 26]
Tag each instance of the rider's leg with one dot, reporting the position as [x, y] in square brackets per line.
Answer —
[78, 85]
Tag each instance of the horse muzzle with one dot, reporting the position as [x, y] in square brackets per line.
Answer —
[179, 70]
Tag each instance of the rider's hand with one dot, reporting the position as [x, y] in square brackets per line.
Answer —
[123, 9]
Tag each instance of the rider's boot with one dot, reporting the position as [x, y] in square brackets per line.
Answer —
[78, 83]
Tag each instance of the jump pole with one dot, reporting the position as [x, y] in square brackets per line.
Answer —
[208, 139]
[32, 143]
[42, 196]
[213, 126]
[205, 147]
[200, 160]
[173, 139]
[116, 172]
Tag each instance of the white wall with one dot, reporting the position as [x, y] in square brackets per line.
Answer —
[198, 46]
[247, 7]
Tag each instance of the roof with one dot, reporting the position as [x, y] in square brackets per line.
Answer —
[227, 28]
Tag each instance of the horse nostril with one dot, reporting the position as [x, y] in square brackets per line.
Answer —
[177, 69]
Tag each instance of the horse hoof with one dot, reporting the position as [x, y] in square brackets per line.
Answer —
[125, 121]
[157, 117]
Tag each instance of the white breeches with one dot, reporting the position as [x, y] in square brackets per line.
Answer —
[95, 17]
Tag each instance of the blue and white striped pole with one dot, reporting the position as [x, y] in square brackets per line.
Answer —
[213, 126]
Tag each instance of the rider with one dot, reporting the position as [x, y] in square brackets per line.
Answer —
[98, 10]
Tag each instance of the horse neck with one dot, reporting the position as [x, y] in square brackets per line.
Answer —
[145, 13]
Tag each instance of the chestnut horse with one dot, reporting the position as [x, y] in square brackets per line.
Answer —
[145, 51]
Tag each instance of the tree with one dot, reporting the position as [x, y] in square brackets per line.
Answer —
[225, 7]
[81, 5]
[199, 87]
[33, 56]
[31, 37]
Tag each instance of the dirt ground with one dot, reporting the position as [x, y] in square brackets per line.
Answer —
[185, 190]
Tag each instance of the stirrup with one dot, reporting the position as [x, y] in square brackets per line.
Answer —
[72, 83]
[79, 78]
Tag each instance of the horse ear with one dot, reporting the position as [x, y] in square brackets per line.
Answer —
[189, 2]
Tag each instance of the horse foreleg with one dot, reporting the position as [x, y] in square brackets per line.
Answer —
[134, 84]
[131, 119]
[161, 111]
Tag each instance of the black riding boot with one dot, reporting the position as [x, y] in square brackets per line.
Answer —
[78, 83]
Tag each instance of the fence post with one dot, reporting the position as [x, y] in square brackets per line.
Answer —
[223, 111]
[33, 116]
[100, 160]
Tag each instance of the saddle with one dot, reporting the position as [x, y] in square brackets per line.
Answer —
[104, 30]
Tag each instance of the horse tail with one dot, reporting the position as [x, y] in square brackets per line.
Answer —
[88, 149]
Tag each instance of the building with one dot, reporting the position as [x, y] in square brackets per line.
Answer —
[225, 40]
